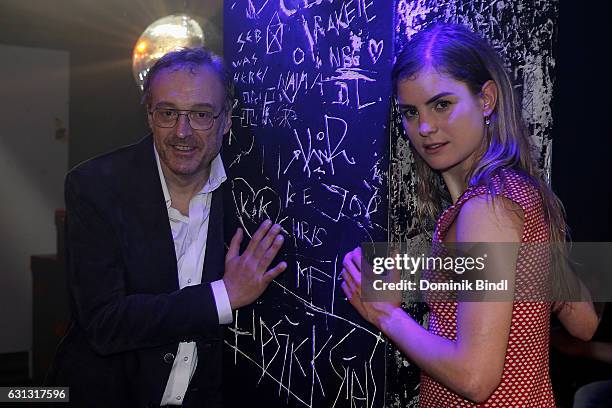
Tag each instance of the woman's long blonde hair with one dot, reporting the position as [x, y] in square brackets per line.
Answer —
[456, 51]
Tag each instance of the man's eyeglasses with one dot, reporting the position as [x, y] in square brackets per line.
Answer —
[198, 120]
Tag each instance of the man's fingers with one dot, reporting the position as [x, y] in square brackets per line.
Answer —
[274, 272]
[234, 248]
[266, 259]
[267, 241]
[258, 236]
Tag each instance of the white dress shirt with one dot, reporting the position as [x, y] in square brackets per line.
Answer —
[189, 235]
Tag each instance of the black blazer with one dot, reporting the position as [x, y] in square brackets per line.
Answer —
[128, 314]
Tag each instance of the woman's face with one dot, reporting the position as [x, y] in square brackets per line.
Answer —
[444, 120]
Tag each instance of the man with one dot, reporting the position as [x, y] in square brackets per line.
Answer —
[148, 282]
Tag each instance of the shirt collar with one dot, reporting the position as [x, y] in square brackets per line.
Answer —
[216, 177]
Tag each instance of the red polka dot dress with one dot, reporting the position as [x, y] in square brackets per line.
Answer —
[525, 379]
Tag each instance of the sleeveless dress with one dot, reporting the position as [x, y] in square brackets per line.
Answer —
[525, 379]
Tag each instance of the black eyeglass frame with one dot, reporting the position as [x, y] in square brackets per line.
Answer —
[186, 112]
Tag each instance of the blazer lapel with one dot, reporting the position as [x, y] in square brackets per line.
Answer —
[214, 259]
[149, 216]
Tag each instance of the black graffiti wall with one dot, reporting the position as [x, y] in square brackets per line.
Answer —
[308, 150]
[316, 147]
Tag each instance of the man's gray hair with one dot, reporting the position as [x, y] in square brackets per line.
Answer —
[190, 59]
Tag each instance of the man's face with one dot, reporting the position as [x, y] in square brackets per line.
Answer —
[186, 153]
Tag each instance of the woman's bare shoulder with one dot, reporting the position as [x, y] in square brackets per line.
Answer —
[484, 218]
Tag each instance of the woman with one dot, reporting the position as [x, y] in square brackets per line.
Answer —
[463, 122]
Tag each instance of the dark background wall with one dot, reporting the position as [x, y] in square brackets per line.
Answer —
[99, 35]
[582, 140]
[582, 159]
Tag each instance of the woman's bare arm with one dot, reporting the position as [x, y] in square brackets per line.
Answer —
[471, 365]
[578, 318]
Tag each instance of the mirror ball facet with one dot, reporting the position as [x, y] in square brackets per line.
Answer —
[162, 36]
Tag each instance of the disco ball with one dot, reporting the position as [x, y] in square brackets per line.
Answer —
[164, 35]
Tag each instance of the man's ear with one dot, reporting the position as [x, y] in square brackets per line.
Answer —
[149, 116]
[227, 121]
[488, 97]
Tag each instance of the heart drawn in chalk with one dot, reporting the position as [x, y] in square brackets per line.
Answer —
[375, 48]
[254, 207]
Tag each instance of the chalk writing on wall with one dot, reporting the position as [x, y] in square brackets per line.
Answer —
[308, 150]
